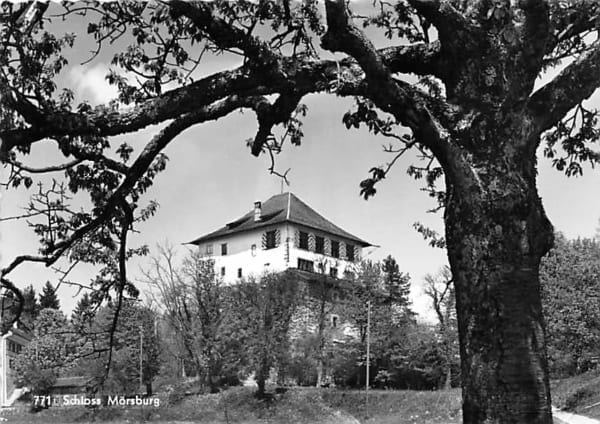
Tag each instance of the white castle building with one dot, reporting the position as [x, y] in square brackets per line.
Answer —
[279, 234]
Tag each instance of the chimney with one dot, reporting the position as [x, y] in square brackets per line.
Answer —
[257, 211]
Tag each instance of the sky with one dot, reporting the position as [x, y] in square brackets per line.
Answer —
[211, 179]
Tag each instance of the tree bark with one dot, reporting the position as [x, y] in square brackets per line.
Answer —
[497, 232]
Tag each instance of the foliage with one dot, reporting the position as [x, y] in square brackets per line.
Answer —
[48, 297]
[404, 354]
[303, 363]
[570, 277]
[261, 310]
[193, 302]
[440, 289]
[137, 330]
[134, 337]
[31, 307]
[83, 314]
[43, 359]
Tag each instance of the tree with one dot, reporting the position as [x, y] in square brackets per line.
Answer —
[193, 300]
[82, 316]
[48, 297]
[42, 360]
[473, 113]
[396, 284]
[134, 339]
[441, 292]
[261, 311]
[386, 289]
[31, 307]
[570, 276]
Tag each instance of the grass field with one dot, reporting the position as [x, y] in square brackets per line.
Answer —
[296, 406]
[307, 406]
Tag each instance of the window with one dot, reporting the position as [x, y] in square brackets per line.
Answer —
[304, 265]
[335, 249]
[222, 271]
[319, 244]
[209, 249]
[333, 272]
[350, 252]
[271, 239]
[14, 347]
[224, 249]
[239, 272]
[303, 240]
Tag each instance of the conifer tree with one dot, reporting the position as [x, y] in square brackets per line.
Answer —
[31, 307]
[83, 312]
[396, 284]
[48, 298]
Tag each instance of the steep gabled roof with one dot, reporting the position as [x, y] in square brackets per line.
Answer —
[285, 207]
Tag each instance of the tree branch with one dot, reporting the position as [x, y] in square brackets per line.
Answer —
[51, 168]
[420, 59]
[269, 115]
[393, 96]
[224, 35]
[576, 82]
[303, 76]
[442, 14]
[139, 167]
[570, 20]
[343, 36]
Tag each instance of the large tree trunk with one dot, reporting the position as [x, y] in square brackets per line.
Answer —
[497, 233]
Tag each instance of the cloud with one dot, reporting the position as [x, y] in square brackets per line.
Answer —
[89, 83]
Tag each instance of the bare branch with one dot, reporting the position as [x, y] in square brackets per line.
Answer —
[52, 168]
[128, 220]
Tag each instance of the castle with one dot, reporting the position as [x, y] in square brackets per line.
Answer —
[285, 235]
[279, 234]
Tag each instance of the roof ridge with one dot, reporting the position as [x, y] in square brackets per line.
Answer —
[296, 211]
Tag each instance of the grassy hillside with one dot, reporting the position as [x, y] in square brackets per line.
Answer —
[403, 406]
[580, 394]
[296, 406]
[305, 406]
